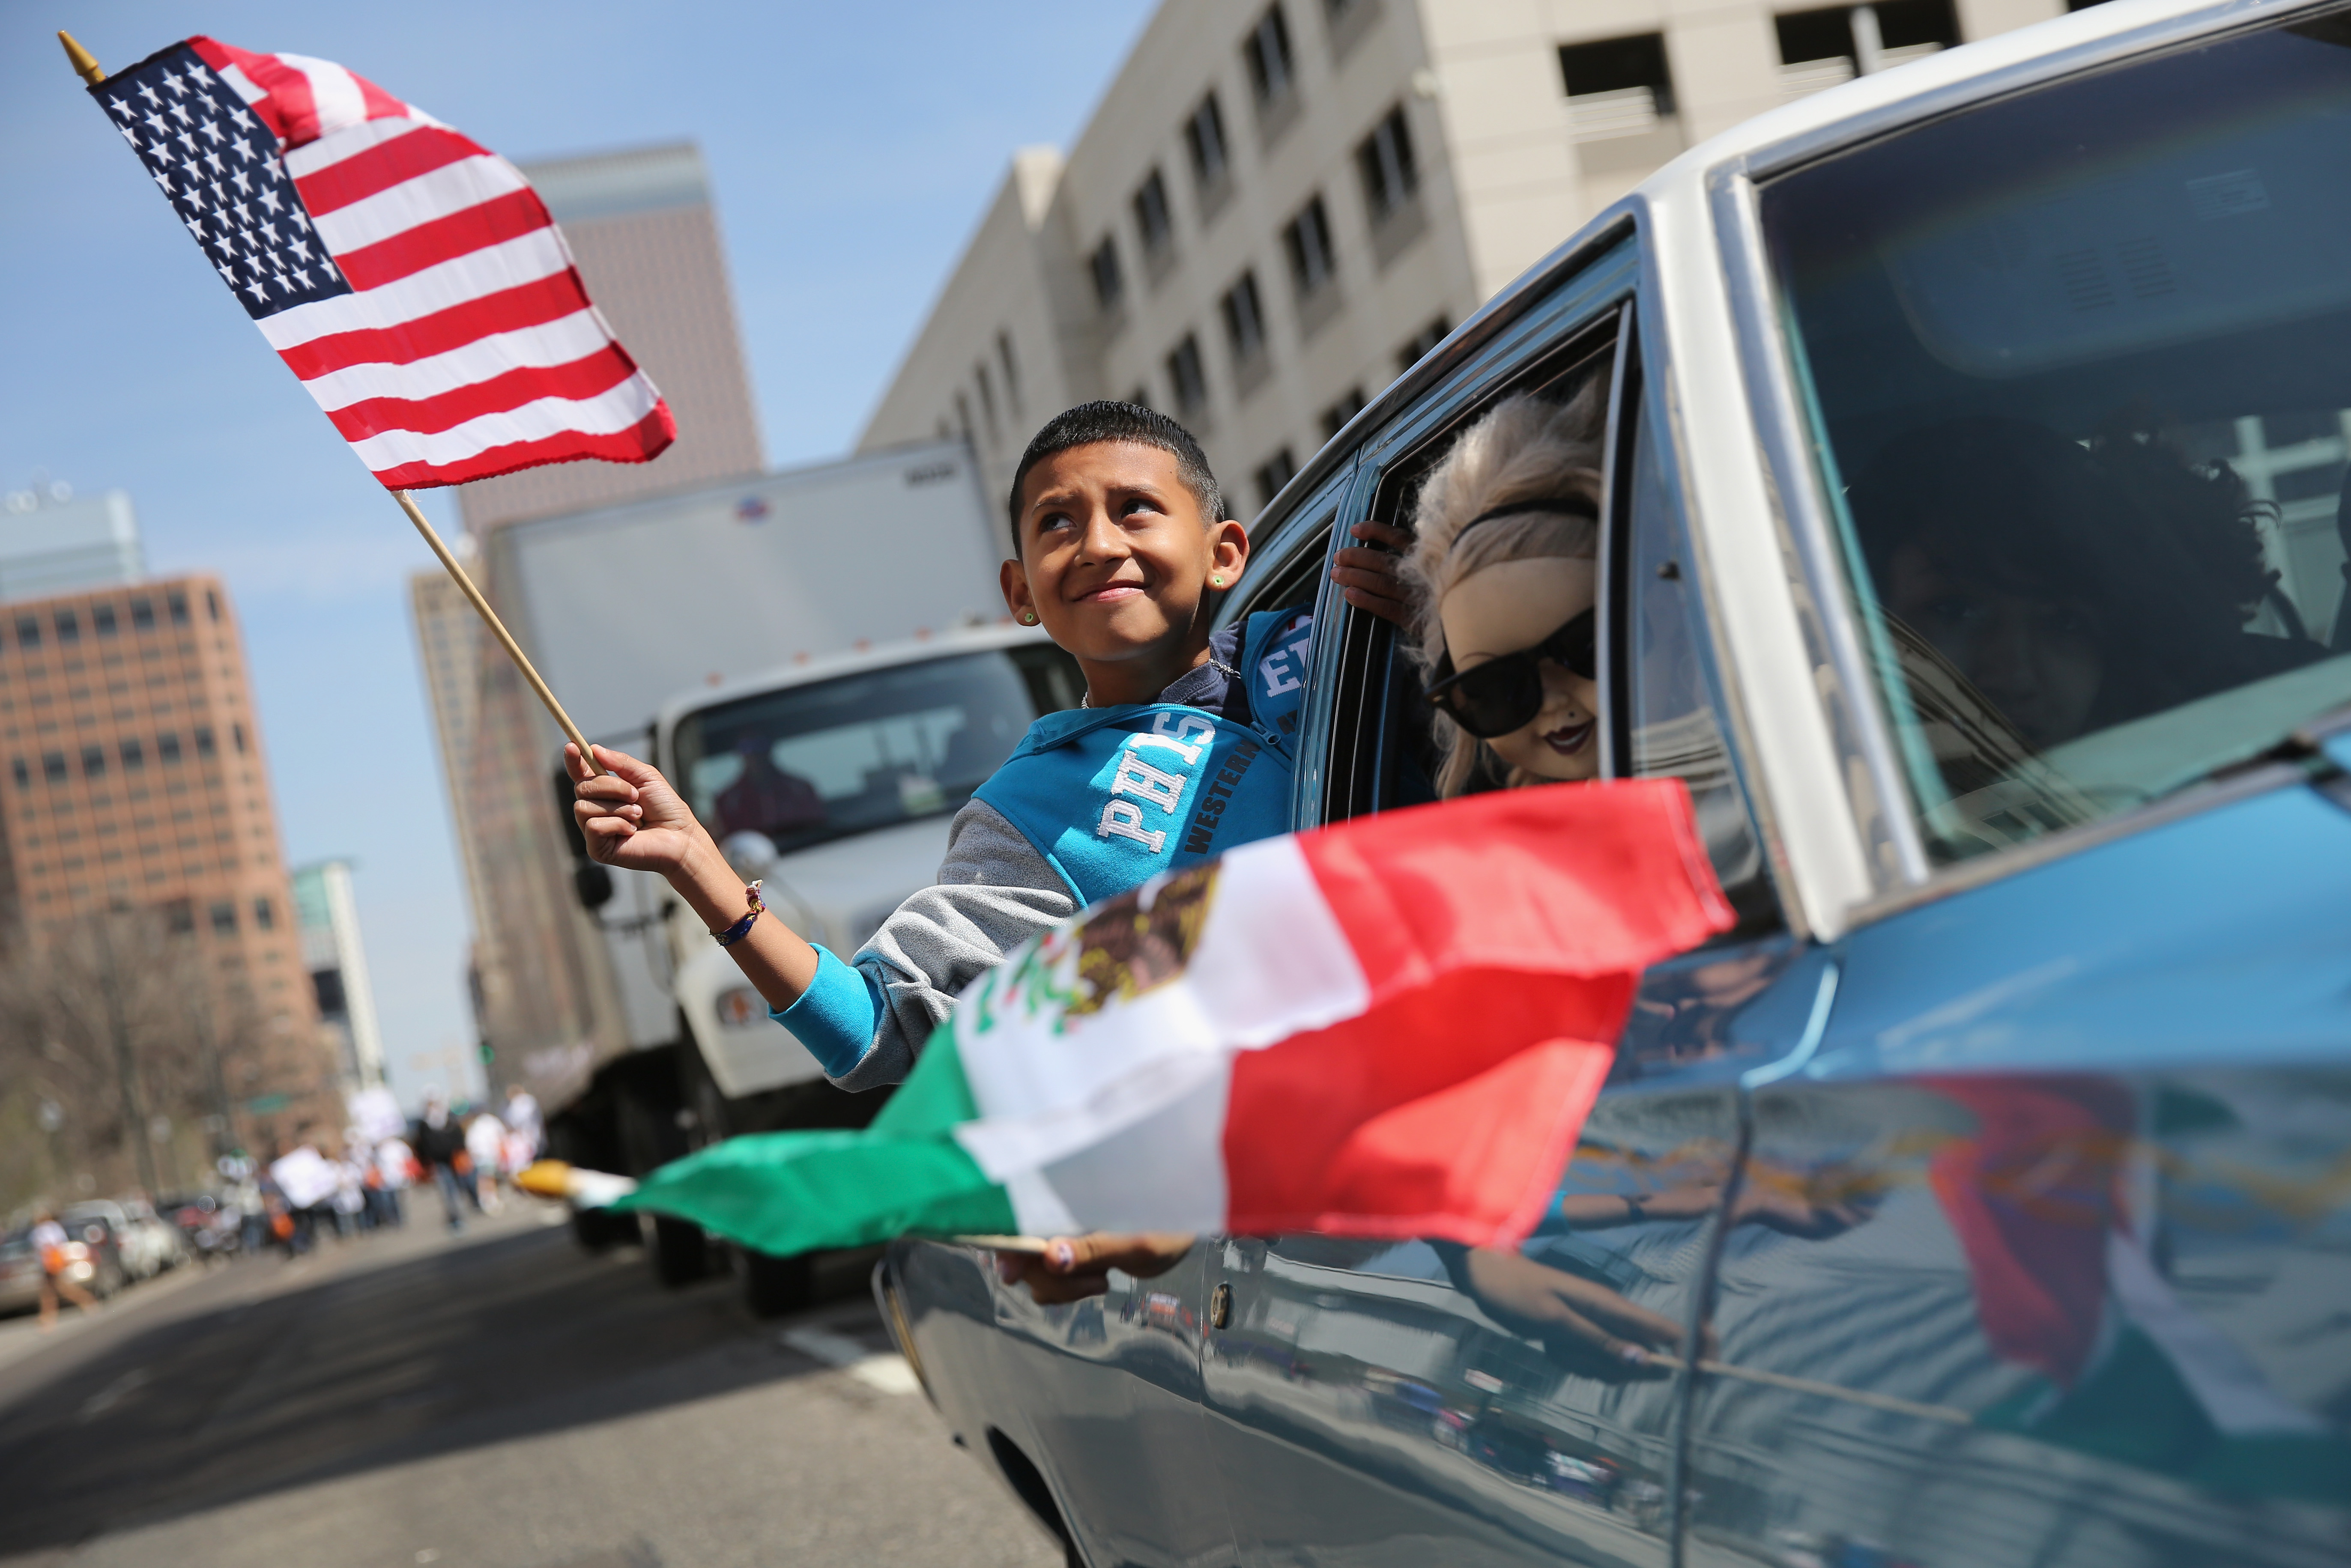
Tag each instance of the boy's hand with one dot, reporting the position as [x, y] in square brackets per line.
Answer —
[1073, 1268]
[631, 816]
[1367, 576]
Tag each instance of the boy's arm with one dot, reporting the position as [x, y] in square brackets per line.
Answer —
[634, 818]
[994, 892]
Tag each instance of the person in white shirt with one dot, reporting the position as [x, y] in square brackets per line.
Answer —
[522, 1119]
[485, 1140]
[309, 1180]
[49, 1240]
[392, 1159]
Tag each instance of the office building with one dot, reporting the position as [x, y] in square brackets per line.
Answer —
[53, 542]
[329, 919]
[1279, 206]
[642, 229]
[134, 781]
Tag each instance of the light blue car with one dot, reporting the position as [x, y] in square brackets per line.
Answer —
[1975, 525]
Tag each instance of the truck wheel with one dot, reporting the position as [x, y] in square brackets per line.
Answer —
[678, 1251]
[597, 1228]
[773, 1286]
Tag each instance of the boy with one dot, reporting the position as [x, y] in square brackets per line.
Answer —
[1120, 551]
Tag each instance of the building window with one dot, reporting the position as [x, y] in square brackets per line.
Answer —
[1110, 283]
[1150, 219]
[93, 762]
[1185, 375]
[180, 916]
[1420, 343]
[53, 766]
[178, 602]
[1204, 138]
[223, 919]
[986, 404]
[1012, 369]
[68, 627]
[236, 733]
[1335, 417]
[1140, 396]
[134, 755]
[963, 416]
[212, 604]
[101, 619]
[204, 747]
[1272, 474]
[23, 773]
[265, 915]
[1617, 86]
[142, 615]
[1385, 160]
[167, 746]
[1271, 70]
[1308, 240]
[28, 632]
[1244, 319]
[1821, 48]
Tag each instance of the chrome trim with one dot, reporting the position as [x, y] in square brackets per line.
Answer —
[1801, 511]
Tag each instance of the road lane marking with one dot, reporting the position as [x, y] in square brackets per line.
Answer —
[884, 1370]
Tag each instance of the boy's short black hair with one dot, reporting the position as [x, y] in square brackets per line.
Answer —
[1090, 424]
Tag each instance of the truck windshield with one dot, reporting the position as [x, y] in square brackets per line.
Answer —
[833, 758]
[2079, 363]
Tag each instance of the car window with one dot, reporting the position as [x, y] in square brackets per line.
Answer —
[2079, 362]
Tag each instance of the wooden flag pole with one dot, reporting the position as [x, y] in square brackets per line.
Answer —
[86, 66]
[497, 627]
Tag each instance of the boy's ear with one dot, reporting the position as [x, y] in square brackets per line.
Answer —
[1229, 549]
[1013, 578]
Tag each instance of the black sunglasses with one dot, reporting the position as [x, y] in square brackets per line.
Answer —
[1506, 694]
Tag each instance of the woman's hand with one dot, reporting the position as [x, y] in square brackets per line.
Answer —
[1369, 578]
[1073, 1268]
[632, 817]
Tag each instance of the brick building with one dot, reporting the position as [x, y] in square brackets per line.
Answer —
[134, 781]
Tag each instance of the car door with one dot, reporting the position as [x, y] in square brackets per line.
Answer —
[2046, 1249]
[1377, 1403]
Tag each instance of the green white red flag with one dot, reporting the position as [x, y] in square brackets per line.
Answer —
[1394, 1027]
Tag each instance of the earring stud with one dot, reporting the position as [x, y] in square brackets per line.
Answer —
[1215, 582]
[1027, 617]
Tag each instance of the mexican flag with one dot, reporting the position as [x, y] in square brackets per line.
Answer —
[1394, 1027]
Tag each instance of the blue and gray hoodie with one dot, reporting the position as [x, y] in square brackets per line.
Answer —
[1092, 802]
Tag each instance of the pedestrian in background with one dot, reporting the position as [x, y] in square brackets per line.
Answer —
[394, 1161]
[49, 1240]
[439, 1143]
[485, 1142]
[523, 1120]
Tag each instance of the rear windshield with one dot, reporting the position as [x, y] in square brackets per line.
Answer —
[2080, 365]
[838, 757]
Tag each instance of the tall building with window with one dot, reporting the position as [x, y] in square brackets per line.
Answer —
[642, 231]
[135, 781]
[1283, 204]
[328, 918]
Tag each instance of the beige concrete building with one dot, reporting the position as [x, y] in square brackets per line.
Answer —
[135, 782]
[1280, 205]
[641, 226]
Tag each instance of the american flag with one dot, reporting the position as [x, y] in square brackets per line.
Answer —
[411, 278]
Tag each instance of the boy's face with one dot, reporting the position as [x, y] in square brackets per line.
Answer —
[1115, 557]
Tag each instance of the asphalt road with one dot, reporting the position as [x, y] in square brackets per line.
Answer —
[501, 1399]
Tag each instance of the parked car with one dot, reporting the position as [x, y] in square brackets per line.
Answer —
[93, 1252]
[148, 1245]
[20, 1272]
[2006, 1131]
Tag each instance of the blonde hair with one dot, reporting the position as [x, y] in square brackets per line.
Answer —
[1523, 449]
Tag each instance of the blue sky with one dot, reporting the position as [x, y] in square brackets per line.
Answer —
[853, 149]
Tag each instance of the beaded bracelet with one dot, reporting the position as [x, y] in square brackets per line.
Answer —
[742, 927]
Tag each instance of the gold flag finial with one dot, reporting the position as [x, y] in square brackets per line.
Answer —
[85, 63]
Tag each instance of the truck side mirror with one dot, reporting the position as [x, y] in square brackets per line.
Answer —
[592, 883]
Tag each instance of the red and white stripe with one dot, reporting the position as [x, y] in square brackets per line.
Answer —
[1392, 1028]
[467, 347]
